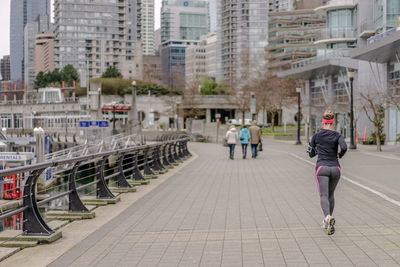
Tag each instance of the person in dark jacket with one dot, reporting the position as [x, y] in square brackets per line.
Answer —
[326, 145]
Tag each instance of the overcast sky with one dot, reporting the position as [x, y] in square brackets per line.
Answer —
[5, 24]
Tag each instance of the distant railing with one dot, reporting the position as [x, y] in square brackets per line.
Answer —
[33, 101]
[106, 168]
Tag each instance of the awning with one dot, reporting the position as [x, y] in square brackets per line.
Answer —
[381, 51]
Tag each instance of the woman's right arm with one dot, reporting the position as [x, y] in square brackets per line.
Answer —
[311, 147]
[343, 146]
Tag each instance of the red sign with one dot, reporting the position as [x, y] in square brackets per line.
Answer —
[116, 107]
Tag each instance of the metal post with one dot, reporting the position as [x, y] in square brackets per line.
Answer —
[75, 203]
[114, 119]
[122, 182]
[33, 223]
[102, 189]
[298, 119]
[352, 144]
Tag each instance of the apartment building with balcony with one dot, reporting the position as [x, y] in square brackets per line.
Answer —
[94, 35]
[327, 84]
[383, 49]
[147, 29]
[291, 37]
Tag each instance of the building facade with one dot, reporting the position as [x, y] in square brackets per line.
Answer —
[201, 60]
[152, 69]
[173, 60]
[21, 13]
[183, 20]
[350, 29]
[44, 53]
[40, 26]
[291, 37]
[147, 31]
[242, 37]
[93, 36]
[5, 68]
[212, 15]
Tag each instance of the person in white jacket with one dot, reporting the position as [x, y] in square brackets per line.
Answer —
[232, 137]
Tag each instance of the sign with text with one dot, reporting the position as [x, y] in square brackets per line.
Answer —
[87, 124]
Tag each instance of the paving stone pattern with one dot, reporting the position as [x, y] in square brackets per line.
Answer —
[262, 212]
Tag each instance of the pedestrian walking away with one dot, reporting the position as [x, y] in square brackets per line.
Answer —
[326, 144]
[255, 138]
[232, 138]
[244, 140]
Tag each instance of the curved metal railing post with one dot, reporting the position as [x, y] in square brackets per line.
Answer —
[156, 160]
[137, 175]
[158, 157]
[102, 188]
[165, 155]
[176, 156]
[146, 168]
[75, 204]
[122, 182]
[33, 223]
[171, 153]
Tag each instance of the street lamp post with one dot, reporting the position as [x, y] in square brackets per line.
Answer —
[351, 74]
[113, 106]
[298, 90]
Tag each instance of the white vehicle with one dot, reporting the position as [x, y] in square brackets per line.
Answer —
[239, 122]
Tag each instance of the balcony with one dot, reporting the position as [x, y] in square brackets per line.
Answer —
[327, 54]
[335, 5]
[337, 35]
[367, 29]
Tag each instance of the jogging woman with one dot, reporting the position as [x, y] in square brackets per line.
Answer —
[325, 143]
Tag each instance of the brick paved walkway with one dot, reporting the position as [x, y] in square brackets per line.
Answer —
[263, 212]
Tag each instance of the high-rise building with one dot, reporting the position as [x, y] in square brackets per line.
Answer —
[157, 41]
[40, 26]
[44, 53]
[5, 68]
[201, 60]
[243, 35]
[291, 37]
[280, 5]
[147, 30]
[94, 35]
[212, 14]
[173, 60]
[21, 13]
[183, 20]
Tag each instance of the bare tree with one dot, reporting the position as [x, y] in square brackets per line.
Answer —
[373, 105]
[273, 94]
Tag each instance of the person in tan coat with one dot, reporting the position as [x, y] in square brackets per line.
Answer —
[255, 137]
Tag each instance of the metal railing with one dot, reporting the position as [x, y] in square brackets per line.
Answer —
[106, 144]
[339, 53]
[106, 168]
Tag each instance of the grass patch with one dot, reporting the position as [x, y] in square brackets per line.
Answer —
[279, 131]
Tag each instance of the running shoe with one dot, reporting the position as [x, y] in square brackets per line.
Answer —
[325, 224]
[331, 224]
